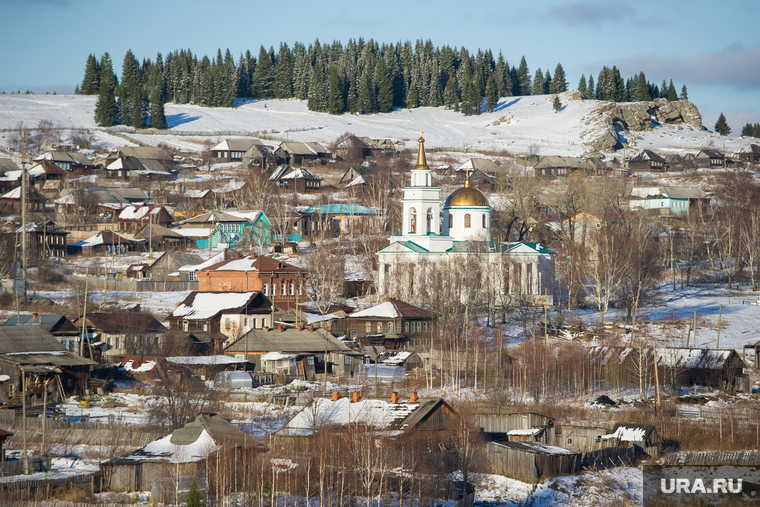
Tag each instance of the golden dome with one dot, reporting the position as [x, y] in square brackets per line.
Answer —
[466, 196]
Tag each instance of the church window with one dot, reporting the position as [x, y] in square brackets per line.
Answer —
[484, 220]
[451, 221]
[429, 220]
[412, 220]
[467, 221]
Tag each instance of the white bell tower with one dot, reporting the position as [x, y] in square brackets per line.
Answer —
[422, 201]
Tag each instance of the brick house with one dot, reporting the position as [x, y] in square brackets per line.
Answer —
[277, 280]
[394, 324]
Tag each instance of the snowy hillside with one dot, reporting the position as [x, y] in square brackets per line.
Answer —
[518, 125]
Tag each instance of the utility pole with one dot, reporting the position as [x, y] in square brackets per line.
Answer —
[23, 202]
[23, 418]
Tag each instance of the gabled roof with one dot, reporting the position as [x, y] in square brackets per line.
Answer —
[236, 145]
[7, 164]
[50, 322]
[155, 231]
[684, 193]
[102, 238]
[341, 209]
[261, 151]
[49, 167]
[481, 164]
[208, 305]
[27, 339]
[522, 247]
[301, 174]
[536, 448]
[647, 155]
[179, 258]
[288, 341]
[213, 217]
[122, 323]
[127, 164]
[703, 359]
[710, 154]
[254, 262]
[393, 309]
[80, 159]
[279, 172]
[199, 194]
[147, 152]
[630, 432]
[556, 161]
[140, 213]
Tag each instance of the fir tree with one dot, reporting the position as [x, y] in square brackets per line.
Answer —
[756, 132]
[721, 126]
[131, 92]
[283, 73]
[591, 88]
[684, 93]
[106, 113]
[556, 104]
[384, 87]
[263, 76]
[412, 96]
[559, 82]
[538, 83]
[450, 99]
[547, 82]
[435, 98]
[317, 100]
[582, 86]
[748, 130]
[492, 95]
[157, 96]
[672, 95]
[523, 78]
[335, 103]
[194, 498]
[91, 81]
[663, 90]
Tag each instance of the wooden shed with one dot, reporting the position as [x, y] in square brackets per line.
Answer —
[531, 461]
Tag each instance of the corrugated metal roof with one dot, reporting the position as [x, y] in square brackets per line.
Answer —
[21, 339]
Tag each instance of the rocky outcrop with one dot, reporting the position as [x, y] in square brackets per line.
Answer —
[640, 116]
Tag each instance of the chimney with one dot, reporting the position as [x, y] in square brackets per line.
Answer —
[265, 328]
[310, 327]
[280, 328]
[413, 398]
[394, 397]
[336, 395]
[357, 396]
[299, 327]
[35, 315]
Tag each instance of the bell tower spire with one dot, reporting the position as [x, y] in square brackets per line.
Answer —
[421, 162]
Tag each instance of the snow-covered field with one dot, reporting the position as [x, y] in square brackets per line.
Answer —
[518, 125]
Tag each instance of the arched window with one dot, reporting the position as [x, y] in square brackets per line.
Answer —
[484, 220]
[379, 327]
[467, 221]
[429, 220]
[390, 327]
[292, 290]
[412, 220]
[266, 289]
[283, 289]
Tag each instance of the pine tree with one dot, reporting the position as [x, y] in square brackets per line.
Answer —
[492, 95]
[582, 86]
[748, 130]
[283, 73]
[559, 82]
[721, 126]
[91, 81]
[450, 99]
[640, 91]
[131, 92]
[684, 93]
[591, 88]
[556, 105]
[523, 78]
[756, 132]
[538, 83]
[435, 98]
[619, 94]
[106, 113]
[412, 96]
[547, 82]
[672, 95]
[664, 90]
[243, 82]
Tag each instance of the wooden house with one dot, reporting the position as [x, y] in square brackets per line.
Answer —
[233, 228]
[69, 161]
[392, 317]
[12, 179]
[647, 160]
[474, 165]
[10, 203]
[44, 240]
[206, 199]
[299, 153]
[144, 153]
[263, 156]
[221, 316]
[123, 333]
[749, 154]
[33, 351]
[7, 165]
[133, 218]
[555, 166]
[56, 324]
[291, 352]
[300, 181]
[188, 209]
[105, 242]
[497, 426]
[232, 150]
[187, 451]
[710, 158]
[344, 218]
[350, 175]
[159, 238]
[170, 262]
[708, 367]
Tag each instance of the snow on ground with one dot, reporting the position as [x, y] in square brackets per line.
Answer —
[518, 124]
[60, 467]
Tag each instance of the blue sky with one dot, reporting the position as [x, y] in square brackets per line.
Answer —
[712, 47]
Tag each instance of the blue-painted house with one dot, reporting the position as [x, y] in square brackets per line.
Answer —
[668, 200]
[231, 228]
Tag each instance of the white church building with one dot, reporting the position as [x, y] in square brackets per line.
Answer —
[444, 253]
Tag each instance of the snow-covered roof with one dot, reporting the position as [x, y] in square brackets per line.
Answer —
[377, 414]
[207, 360]
[205, 305]
[397, 357]
[301, 174]
[138, 212]
[275, 356]
[145, 366]
[392, 309]
[525, 432]
[164, 448]
[359, 180]
[627, 434]
[193, 232]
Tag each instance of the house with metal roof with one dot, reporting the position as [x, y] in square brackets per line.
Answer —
[710, 158]
[261, 155]
[647, 160]
[233, 228]
[297, 180]
[299, 153]
[58, 325]
[69, 161]
[122, 333]
[393, 324]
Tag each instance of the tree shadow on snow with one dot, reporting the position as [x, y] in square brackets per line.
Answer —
[174, 120]
[506, 104]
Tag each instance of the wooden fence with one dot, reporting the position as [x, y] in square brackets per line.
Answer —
[27, 489]
[710, 458]
[96, 284]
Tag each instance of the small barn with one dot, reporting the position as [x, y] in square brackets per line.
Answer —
[531, 461]
[644, 436]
